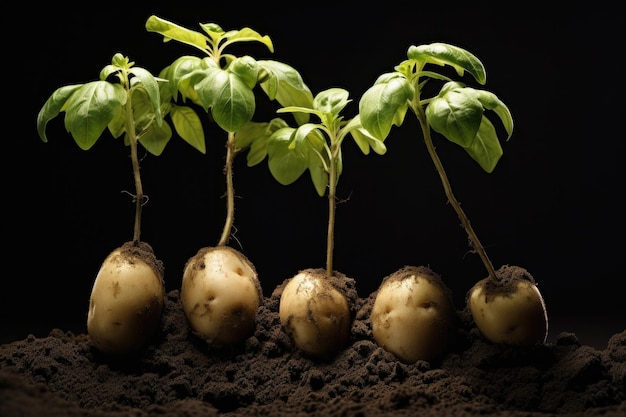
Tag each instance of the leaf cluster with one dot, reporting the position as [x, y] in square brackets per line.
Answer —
[121, 89]
[315, 146]
[128, 98]
[457, 112]
[223, 84]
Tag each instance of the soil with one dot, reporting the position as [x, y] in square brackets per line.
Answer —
[178, 374]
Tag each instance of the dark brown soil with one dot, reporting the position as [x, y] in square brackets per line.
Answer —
[179, 375]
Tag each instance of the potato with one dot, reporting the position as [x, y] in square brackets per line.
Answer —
[510, 311]
[126, 300]
[314, 313]
[220, 295]
[413, 315]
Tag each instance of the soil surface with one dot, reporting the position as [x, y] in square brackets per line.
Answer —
[179, 375]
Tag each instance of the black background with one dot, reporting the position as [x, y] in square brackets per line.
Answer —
[553, 204]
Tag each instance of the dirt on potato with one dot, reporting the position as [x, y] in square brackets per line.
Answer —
[143, 251]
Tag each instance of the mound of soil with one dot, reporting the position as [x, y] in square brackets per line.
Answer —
[179, 375]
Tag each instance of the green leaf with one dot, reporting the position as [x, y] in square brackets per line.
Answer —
[257, 151]
[188, 126]
[117, 125]
[255, 137]
[295, 109]
[178, 75]
[110, 71]
[365, 141]
[284, 84]
[53, 106]
[309, 141]
[486, 149]
[246, 35]
[445, 54]
[331, 101]
[249, 133]
[385, 104]
[491, 102]
[150, 85]
[214, 31]
[171, 31]
[232, 103]
[247, 69]
[285, 162]
[144, 115]
[456, 114]
[90, 109]
[301, 136]
[156, 138]
[319, 174]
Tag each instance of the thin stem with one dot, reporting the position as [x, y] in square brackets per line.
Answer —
[332, 205]
[130, 129]
[473, 237]
[230, 189]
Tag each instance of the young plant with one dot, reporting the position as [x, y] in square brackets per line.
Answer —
[316, 305]
[506, 306]
[127, 296]
[220, 291]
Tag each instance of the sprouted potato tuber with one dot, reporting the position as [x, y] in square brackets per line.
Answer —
[509, 311]
[315, 313]
[220, 295]
[126, 300]
[413, 315]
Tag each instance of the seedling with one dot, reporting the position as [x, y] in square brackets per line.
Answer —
[127, 295]
[220, 291]
[506, 306]
[313, 309]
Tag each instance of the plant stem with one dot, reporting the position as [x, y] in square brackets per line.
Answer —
[332, 205]
[132, 135]
[230, 189]
[473, 237]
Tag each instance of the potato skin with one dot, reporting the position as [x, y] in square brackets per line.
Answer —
[315, 314]
[413, 315]
[511, 311]
[220, 295]
[126, 300]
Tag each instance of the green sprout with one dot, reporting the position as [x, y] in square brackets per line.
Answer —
[126, 100]
[316, 147]
[457, 112]
[220, 290]
[506, 306]
[224, 84]
[313, 310]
